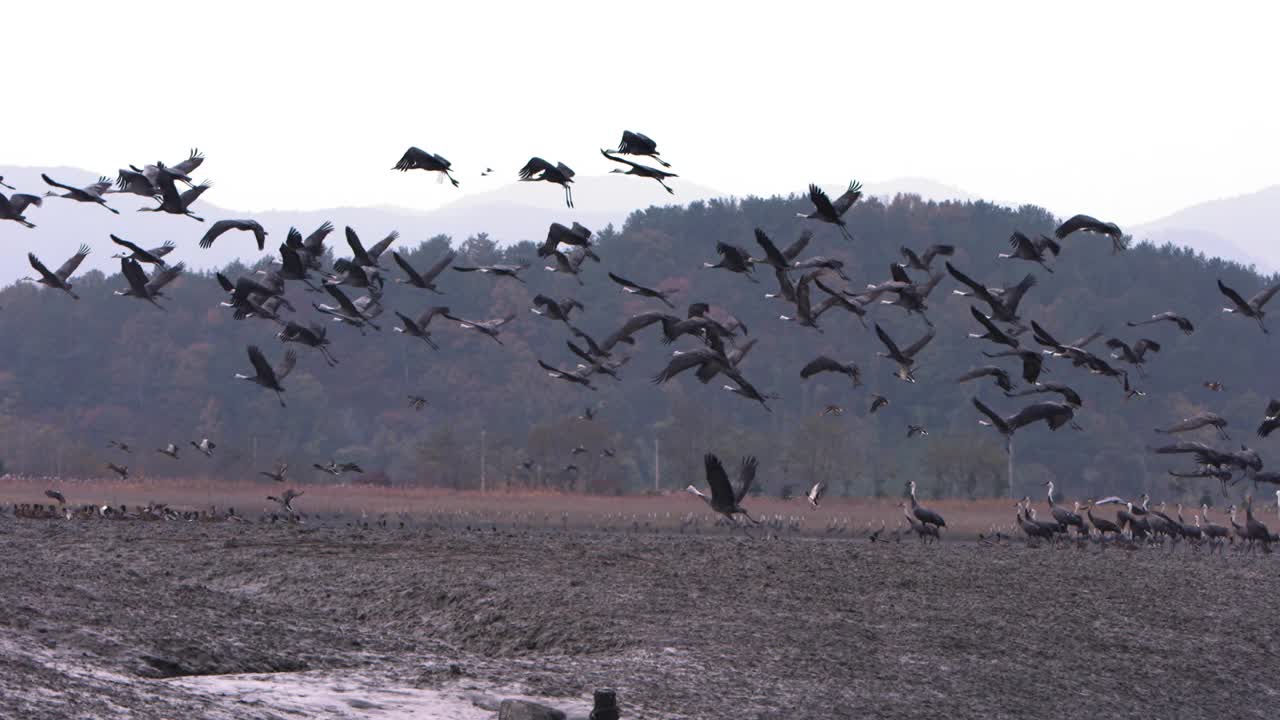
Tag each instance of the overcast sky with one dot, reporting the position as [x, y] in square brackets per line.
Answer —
[1123, 110]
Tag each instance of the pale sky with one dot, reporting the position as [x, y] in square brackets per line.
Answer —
[1127, 111]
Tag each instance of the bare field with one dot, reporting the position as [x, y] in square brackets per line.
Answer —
[324, 620]
[512, 510]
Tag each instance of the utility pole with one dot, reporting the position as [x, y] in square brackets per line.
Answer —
[483, 433]
[657, 462]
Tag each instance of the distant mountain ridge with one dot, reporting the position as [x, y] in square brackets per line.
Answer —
[1241, 228]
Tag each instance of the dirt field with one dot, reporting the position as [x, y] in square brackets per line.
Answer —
[170, 619]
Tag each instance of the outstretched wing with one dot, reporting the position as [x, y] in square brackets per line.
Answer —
[979, 290]
[797, 247]
[259, 363]
[286, 365]
[535, 166]
[72, 263]
[820, 201]
[343, 301]
[440, 265]
[889, 344]
[1262, 296]
[822, 363]
[848, 198]
[918, 345]
[746, 477]
[40, 268]
[381, 246]
[771, 253]
[718, 481]
[134, 275]
[50, 181]
[1232, 295]
[217, 229]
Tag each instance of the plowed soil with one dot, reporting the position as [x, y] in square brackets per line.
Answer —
[143, 619]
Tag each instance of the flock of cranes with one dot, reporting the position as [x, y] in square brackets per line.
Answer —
[807, 286]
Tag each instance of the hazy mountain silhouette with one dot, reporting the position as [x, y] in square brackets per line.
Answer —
[1240, 228]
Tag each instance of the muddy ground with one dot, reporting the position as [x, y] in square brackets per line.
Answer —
[146, 619]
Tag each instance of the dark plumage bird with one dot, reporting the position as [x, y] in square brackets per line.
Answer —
[1002, 301]
[923, 514]
[877, 402]
[993, 333]
[1135, 355]
[267, 376]
[58, 278]
[821, 262]
[1054, 414]
[833, 212]
[1024, 248]
[1085, 223]
[570, 263]
[1270, 418]
[1252, 308]
[368, 258]
[90, 193]
[553, 309]
[205, 446]
[1183, 323]
[557, 235]
[836, 299]
[154, 256]
[172, 201]
[144, 288]
[998, 374]
[426, 280]
[538, 169]
[278, 474]
[1071, 396]
[905, 358]
[489, 328]
[418, 327]
[734, 259]
[922, 262]
[501, 270]
[121, 470]
[418, 159]
[914, 430]
[634, 143]
[123, 447]
[804, 315]
[724, 499]
[822, 363]
[55, 495]
[575, 377]
[1032, 362]
[311, 335]
[1213, 386]
[643, 171]
[143, 181]
[634, 289]
[223, 226]
[12, 207]
[1197, 421]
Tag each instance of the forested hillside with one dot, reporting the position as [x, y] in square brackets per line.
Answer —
[75, 374]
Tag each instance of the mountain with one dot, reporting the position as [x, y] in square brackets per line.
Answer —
[510, 213]
[77, 373]
[1241, 228]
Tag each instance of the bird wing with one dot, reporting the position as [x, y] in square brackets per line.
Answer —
[1263, 295]
[439, 267]
[164, 276]
[533, 167]
[186, 167]
[918, 345]
[996, 421]
[1043, 337]
[381, 246]
[822, 363]
[718, 480]
[1083, 341]
[50, 181]
[1036, 412]
[626, 283]
[978, 372]
[1142, 346]
[848, 198]
[1022, 244]
[634, 324]
[217, 229]
[259, 363]
[979, 291]
[128, 246]
[746, 477]
[820, 201]
[624, 161]
[684, 361]
[343, 301]
[791, 251]
[889, 344]
[771, 253]
[40, 268]
[935, 250]
[190, 195]
[286, 365]
[315, 241]
[412, 159]
[985, 321]
[72, 263]
[1232, 295]
[357, 248]
[1013, 295]
[899, 273]
[134, 275]
[1273, 408]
